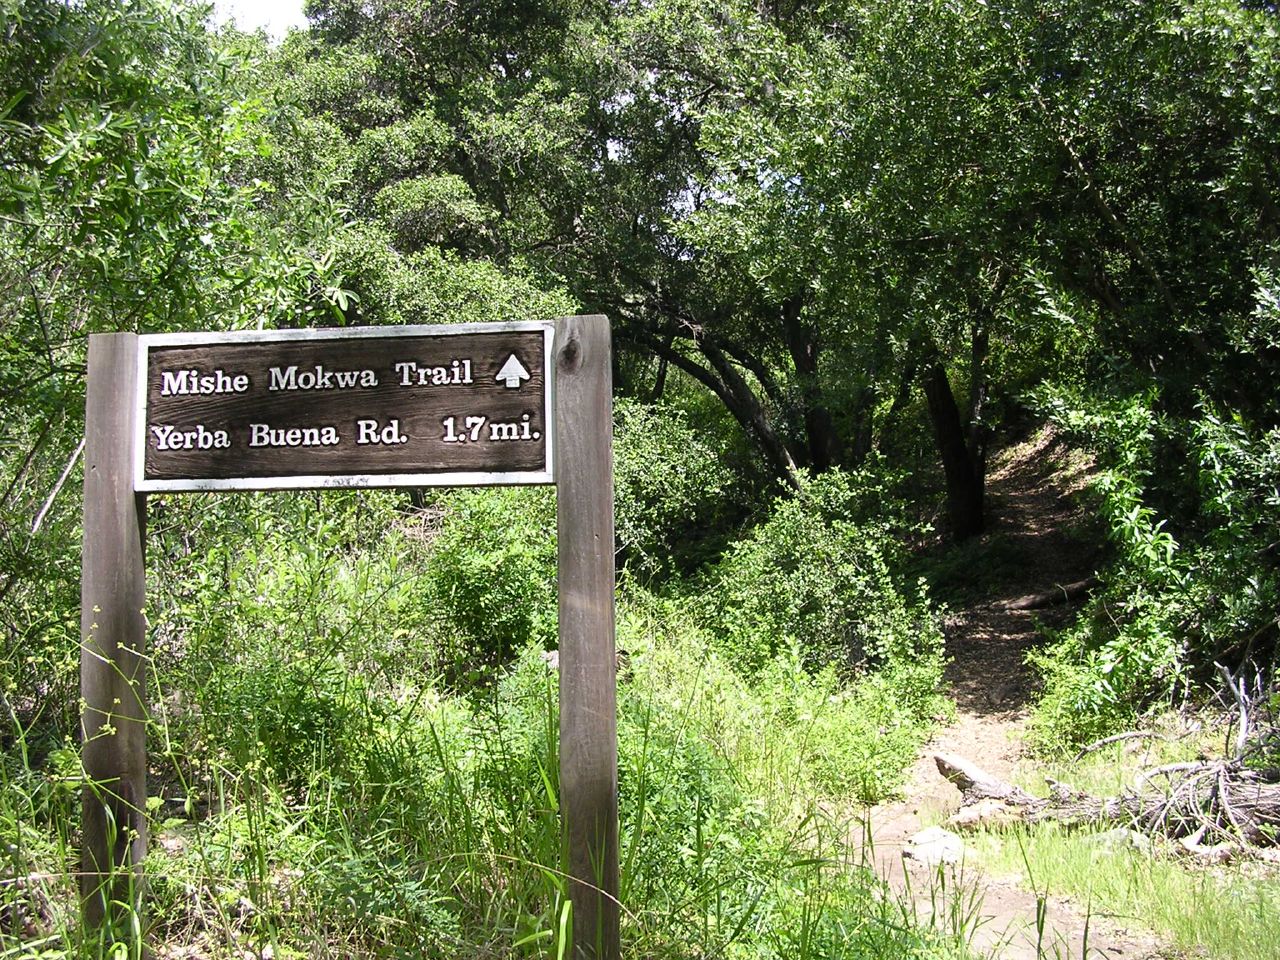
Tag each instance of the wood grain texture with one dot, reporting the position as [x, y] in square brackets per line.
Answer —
[113, 640]
[588, 694]
[418, 407]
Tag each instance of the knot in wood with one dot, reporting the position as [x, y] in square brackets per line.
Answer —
[571, 355]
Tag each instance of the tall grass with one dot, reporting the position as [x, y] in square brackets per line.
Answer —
[330, 778]
[437, 834]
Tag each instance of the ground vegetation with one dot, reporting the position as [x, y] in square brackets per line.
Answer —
[846, 249]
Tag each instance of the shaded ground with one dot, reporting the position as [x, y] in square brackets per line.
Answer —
[1029, 548]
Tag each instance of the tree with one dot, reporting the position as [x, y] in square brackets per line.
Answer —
[124, 133]
[813, 211]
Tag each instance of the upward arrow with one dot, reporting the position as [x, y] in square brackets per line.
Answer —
[512, 372]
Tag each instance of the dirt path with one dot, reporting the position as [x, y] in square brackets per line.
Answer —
[1030, 508]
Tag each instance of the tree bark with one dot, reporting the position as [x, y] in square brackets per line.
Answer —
[802, 344]
[1218, 800]
[1048, 598]
[964, 483]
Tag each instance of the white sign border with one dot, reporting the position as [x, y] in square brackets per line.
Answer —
[344, 481]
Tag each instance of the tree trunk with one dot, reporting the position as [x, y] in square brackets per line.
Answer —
[964, 483]
[864, 420]
[746, 407]
[733, 390]
[660, 381]
[819, 427]
[976, 440]
[1218, 800]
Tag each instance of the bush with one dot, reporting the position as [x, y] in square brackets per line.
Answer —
[291, 716]
[266, 645]
[819, 576]
[444, 839]
[492, 570]
[669, 485]
[1194, 579]
[492, 565]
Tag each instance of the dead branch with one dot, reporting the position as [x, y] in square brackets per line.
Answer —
[1115, 738]
[1237, 693]
[1219, 801]
[976, 784]
[1064, 593]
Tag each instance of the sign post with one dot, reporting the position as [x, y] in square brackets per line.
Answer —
[113, 640]
[588, 665]
[457, 405]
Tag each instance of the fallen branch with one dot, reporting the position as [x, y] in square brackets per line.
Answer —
[1115, 738]
[1059, 594]
[1219, 800]
[976, 784]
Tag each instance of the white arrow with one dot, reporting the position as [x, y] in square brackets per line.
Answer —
[512, 372]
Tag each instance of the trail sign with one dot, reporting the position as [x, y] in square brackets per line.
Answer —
[359, 407]
[385, 406]
[512, 373]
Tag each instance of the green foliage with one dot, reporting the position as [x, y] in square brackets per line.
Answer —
[286, 715]
[384, 154]
[492, 569]
[819, 576]
[272, 641]
[431, 285]
[1171, 607]
[443, 809]
[492, 564]
[428, 210]
[669, 485]
[318, 790]
[800, 211]
[124, 132]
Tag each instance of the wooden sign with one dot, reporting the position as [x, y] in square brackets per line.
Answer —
[384, 406]
[357, 407]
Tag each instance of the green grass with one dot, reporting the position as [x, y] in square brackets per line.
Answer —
[416, 821]
[1223, 912]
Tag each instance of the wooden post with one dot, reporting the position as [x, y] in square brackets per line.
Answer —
[113, 638]
[588, 670]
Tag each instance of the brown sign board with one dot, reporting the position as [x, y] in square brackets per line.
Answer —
[461, 404]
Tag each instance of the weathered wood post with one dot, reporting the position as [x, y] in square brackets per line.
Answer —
[588, 694]
[468, 404]
[112, 641]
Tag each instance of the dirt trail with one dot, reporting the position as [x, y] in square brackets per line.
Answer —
[1030, 508]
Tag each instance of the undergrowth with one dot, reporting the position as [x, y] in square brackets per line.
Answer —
[347, 764]
[1191, 507]
[1224, 912]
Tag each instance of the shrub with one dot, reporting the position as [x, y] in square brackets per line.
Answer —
[492, 570]
[492, 565]
[1193, 580]
[266, 645]
[289, 715]
[820, 576]
[668, 485]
